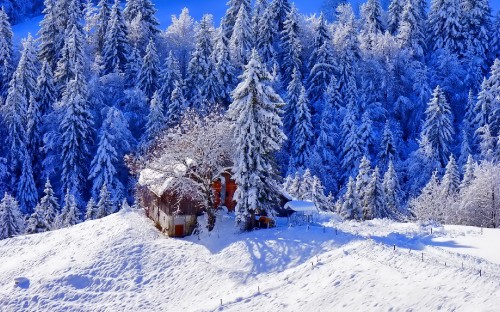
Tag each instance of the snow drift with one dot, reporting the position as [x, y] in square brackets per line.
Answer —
[122, 263]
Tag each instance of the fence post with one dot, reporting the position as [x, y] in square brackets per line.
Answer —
[480, 273]
[422, 256]
[394, 247]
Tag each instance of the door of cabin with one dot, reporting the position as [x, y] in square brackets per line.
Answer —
[179, 230]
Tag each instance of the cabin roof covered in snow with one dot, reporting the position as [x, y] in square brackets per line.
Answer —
[301, 206]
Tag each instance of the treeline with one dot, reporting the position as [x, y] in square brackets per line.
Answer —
[411, 87]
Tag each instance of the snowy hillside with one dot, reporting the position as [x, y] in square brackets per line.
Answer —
[122, 263]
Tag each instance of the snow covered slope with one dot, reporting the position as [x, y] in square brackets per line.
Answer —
[122, 263]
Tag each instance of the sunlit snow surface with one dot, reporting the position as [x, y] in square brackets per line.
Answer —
[122, 263]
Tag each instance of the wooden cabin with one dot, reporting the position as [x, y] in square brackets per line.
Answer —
[172, 214]
[224, 189]
[175, 213]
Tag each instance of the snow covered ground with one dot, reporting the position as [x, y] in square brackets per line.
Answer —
[122, 263]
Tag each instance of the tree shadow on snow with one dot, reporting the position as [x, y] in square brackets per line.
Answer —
[418, 242]
[277, 249]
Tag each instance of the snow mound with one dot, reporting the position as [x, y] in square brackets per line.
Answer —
[122, 263]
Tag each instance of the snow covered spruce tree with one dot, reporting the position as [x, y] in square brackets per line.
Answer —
[49, 206]
[11, 221]
[105, 205]
[438, 126]
[103, 169]
[392, 191]
[115, 47]
[69, 215]
[291, 46]
[255, 112]
[76, 135]
[149, 75]
[6, 49]
[351, 205]
[141, 22]
[302, 133]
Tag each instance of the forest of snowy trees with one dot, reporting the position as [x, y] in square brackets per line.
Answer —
[387, 114]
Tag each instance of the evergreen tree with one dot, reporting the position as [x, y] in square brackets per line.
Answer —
[69, 214]
[411, 31]
[293, 93]
[258, 134]
[240, 41]
[50, 34]
[11, 222]
[484, 105]
[133, 68]
[72, 61]
[280, 10]
[226, 71]
[231, 16]
[438, 125]
[27, 68]
[328, 139]
[388, 150]
[469, 176]
[371, 13]
[451, 179]
[465, 149]
[201, 65]
[105, 206]
[446, 28]
[14, 115]
[36, 222]
[351, 142]
[259, 9]
[35, 137]
[175, 107]
[302, 133]
[142, 22]
[102, 23]
[375, 198]
[321, 62]
[486, 142]
[48, 207]
[149, 75]
[266, 37]
[394, 15]
[318, 195]
[392, 190]
[351, 206]
[27, 193]
[362, 180]
[477, 25]
[494, 85]
[468, 121]
[115, 47]
[305, 185]
[495, 38]
[91, 211]
[155, 121]
[103, 167]
[366, 133]
[291, 46]
[76, 135]
[170, 74]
